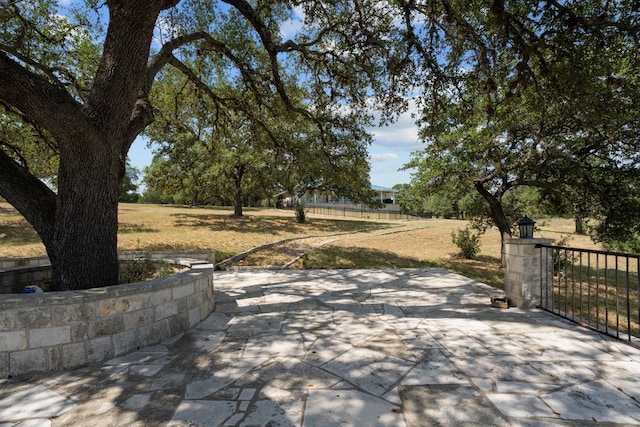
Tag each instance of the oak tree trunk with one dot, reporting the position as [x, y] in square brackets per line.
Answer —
[237, 190]
[84, 250]
[499, 218]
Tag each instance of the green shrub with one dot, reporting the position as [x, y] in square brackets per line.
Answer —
[630, 245]
[467, 241]
[135, 270]
[139, 270]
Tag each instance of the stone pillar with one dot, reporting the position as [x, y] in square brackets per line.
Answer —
[523, 272]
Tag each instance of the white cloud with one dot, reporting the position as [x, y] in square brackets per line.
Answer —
[291, 27]
[391, 148]
[404, 139]
[382, 157]
[400, 135]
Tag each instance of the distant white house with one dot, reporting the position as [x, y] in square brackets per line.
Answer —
[387, 195]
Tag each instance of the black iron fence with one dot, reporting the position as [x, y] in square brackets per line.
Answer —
[362, 212]
[597, 289]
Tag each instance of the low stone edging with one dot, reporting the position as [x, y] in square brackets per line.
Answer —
[50, 331]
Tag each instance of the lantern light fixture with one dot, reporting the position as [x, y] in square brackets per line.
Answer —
[526, 226]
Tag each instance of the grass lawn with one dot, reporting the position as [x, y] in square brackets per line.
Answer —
[338, 243]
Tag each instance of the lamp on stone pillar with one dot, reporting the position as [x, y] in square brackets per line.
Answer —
[526, 226]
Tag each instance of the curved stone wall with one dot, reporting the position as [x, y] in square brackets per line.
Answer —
[60, 330]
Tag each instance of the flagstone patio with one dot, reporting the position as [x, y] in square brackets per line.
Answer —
[407, 347]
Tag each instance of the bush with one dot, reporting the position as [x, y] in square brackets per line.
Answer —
[467, 241]
[630, 245]
[300, 214]
[139, 270]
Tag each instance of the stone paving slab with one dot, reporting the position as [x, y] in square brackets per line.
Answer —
[407, 347]
[35, 402]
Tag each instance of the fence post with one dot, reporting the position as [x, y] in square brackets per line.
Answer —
[523, 271]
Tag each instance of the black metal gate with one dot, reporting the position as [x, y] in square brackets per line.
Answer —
[597, 289]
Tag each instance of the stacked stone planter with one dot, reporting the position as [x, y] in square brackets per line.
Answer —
[60, 330]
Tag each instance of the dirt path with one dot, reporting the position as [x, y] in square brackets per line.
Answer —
[285, 254]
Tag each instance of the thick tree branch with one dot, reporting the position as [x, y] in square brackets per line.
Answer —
[30, 196]
[141, 117]
[193, 78]
[168, 4]
[49, 71]
[269, 44]
[497, 213]
[163, 57]
[121, 72]
[256, 22]
[17, 152]
[47, 105]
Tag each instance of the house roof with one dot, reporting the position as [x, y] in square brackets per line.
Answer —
[379, 188]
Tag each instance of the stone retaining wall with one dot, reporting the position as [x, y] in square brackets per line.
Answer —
[61, 330]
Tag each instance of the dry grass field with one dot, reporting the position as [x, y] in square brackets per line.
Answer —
[165, 227]
[321, 242]
[330, 242]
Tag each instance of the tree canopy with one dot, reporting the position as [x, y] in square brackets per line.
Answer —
[216, 150]
[541, 94]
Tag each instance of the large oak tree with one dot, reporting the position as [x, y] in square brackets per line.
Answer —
[519, 93]
[93, 102]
